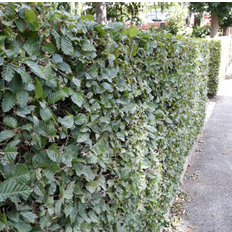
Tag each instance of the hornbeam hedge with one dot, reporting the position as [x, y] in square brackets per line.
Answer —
[95, 121]
[220, 59]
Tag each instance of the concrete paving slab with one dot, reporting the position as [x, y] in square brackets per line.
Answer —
[211, 208]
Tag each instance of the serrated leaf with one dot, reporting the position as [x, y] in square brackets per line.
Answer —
[66, 45]
[10, 10]
[13, 215]
[28, 216]
[22, 98]
[26, 78]
[6, 134]
[49, 48]
[132, 31]
[91, 186]
[8, 102]
[11, 122]
[8, 72]
[57, 38]
[9, 33]
[30, 16]
[10, 151]
[56, 58]
[21, 25]
[67, 121]
[33, 26]
[2, 39]
[21, 174]
[35, 68]
[87, 46]
[46, 114]
[53, 155]
[64, 67]
[56, 96]
[76, 82]
[20, 226]
[11, 189]
[78, 98]
[38, 90]
[80, 119]
[31, 46]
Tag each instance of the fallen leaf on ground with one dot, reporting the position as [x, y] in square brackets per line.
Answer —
[224, 153]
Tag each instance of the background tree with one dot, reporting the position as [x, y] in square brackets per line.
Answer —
[101, 12]
[219, 12]
[118, 11]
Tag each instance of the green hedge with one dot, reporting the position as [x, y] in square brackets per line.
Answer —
[95, 121]
[220, 59]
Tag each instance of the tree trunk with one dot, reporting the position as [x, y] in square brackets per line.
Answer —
[226, 31]
[214, 25]
[101, 12]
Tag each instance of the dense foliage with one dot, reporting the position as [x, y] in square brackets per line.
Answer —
[201, 32]
[176, 21]
[95, 121]
[220, 59]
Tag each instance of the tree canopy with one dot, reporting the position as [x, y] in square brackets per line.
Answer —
[221, 11]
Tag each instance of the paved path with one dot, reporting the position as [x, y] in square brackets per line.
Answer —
[211, 208]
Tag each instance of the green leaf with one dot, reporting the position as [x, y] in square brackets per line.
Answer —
[26, 78]
[91, 186]
[38, 90]
[2, 39]
[56, 58]
[87, 46]
[53, 155]
[28, 216]
[8, 102]
[13, 215]
[10, 151]
[57, 38]
[159, 115]
[88, 17]
[21, 174]
[3, 220]
[22, 98]
[46, 114]
[10, 10]
[80, 119]
[9, 33]
[36, 69]
[77, 98]
[11, 189]
[66, 45]
[132, 31]
[11, 122]
[64, 67]
[30, 16]
[168, 120]
[49, 48]
[21, 25]
[34, 26]
[8, 72]
[6, 134]
[56, 96]
[67, 121]
[69, 229]
[21, 226]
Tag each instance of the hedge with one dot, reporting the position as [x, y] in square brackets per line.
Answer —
[95, 120]
[220, 59]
